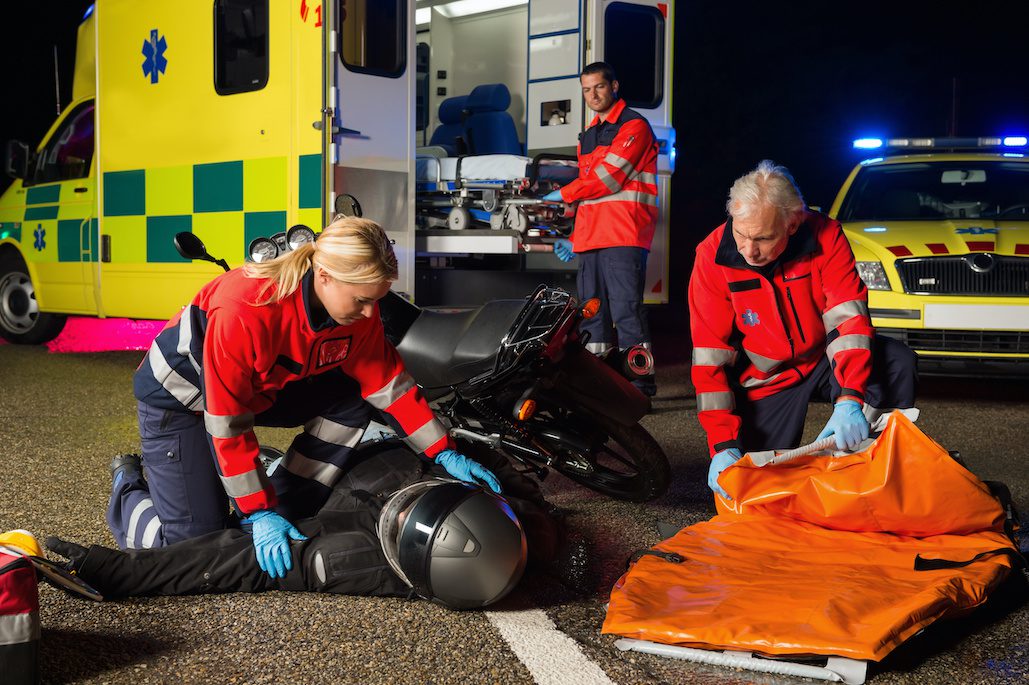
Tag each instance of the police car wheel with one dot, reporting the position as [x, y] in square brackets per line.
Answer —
[21, 322]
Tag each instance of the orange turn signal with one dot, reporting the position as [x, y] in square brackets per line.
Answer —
[526, 410]
[590, 308]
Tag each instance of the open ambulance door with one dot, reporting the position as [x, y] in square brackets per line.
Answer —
[373, 140]
[635, 38]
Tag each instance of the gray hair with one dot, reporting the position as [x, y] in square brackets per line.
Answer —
[767, 185]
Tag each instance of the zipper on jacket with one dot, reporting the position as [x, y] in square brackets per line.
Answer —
[782, 315]
[796, 317]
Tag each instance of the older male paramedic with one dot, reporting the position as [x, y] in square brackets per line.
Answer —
[779, 317]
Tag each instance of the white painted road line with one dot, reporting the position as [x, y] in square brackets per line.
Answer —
[552, 657]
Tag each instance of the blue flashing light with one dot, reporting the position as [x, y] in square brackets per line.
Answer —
[5, 235]
[873, 160]
[1017, 155]
[89, 11]
[875, 229]
[868, 143]
[1015, 141]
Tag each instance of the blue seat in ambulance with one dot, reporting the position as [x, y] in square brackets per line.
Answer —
[450, 134]
[490, 129]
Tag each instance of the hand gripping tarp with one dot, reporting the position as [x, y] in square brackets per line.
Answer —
[827, 556]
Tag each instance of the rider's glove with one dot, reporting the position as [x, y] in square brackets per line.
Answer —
[468, 470]
[553, 196]
[563, 249]
[848, 424]
[272, 534]
[719, 462]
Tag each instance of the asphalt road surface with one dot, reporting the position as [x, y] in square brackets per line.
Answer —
[62, 417]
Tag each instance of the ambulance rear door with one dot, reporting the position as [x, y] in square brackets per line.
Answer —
[373, 135]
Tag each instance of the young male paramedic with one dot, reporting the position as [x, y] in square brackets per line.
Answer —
[617, 212]
[778, 317]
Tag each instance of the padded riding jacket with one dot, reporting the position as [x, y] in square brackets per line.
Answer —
[227, 358]
[617, 184]
[810, 302]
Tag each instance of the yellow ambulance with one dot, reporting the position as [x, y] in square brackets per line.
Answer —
[237, 119]
[940, 232]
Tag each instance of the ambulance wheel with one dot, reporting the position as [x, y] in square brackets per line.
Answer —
[459, 219]
[21, 322]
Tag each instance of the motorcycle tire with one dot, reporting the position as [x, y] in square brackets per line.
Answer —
[647, 476]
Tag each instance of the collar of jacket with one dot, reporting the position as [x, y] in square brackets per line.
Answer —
[800, 243]
[612, 114]
[317, 316]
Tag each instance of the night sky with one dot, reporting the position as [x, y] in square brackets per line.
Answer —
[790, 81]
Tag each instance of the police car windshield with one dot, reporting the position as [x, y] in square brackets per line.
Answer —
[928, 191]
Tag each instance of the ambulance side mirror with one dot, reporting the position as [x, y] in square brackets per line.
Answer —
[16, 159]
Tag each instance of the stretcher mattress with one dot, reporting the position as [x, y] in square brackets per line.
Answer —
[846, 556]
[490, 168]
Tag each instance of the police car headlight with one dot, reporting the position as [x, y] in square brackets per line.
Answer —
[874, 276]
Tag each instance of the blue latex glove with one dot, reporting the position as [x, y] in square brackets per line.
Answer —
[468, 470]
[719, 463]
[563, 249]
[553, 196]
[848, 424]
[272, 534]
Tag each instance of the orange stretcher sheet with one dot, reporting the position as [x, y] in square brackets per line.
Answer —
[818, 555]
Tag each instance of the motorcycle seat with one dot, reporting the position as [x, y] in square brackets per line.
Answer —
[443, 349]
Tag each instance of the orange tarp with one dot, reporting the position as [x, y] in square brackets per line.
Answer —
[817, 555]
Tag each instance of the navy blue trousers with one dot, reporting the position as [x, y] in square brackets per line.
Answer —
[181, 495]
[615, 275]
[777, 421]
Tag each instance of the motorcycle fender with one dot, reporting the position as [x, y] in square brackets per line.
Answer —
[584, 379]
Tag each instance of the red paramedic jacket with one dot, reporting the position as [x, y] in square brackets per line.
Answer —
[228, 358]
[784, 318]
[19, 620]
[617, 184]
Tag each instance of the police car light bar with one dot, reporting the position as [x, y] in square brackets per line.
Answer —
[997, 141]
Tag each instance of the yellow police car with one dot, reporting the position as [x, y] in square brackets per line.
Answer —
[940, 233]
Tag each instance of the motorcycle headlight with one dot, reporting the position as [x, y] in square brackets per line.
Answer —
[874, 275]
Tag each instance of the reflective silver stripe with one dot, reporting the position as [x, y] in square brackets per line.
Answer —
[186, 337]
[844, 311]
[706, 401]
[392, 391]
[426, 436]
[626, 196]
[228, 426]
[620, 163]
[312, 469]
[150, 533]
[645, 177]
[598, 348]
[243, 484]
[848, 342]
[332, 432]
[137, 512]
[764, 364]
[713, 356]
[18, 628]
[758, 382]
[609, 181]
[181, 389]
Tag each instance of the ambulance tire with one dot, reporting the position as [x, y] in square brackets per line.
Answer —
[18, 323]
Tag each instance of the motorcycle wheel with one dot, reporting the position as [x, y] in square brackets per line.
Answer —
[627, 465]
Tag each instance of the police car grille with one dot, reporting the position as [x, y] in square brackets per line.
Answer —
[974, 274]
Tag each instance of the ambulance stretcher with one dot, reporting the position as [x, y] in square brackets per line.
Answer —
[501, 192]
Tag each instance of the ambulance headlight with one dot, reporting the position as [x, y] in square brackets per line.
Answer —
[299, 235]
[874, 276]
[263, 250]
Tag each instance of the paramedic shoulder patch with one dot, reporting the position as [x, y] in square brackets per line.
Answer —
[333, 351]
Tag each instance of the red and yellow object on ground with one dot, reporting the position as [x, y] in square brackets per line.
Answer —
[845, 556]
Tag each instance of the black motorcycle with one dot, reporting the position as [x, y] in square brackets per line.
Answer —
[515, 376]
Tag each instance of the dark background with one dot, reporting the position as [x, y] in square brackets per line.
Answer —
[792, 81]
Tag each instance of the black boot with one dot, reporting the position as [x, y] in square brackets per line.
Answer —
[126, 465]
[75, 554]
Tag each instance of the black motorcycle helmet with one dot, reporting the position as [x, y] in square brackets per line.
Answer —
[453, 542]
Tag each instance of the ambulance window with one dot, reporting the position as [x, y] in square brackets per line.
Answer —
[240, 46]
[372, 36]
[69, 152]
[634, 45]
